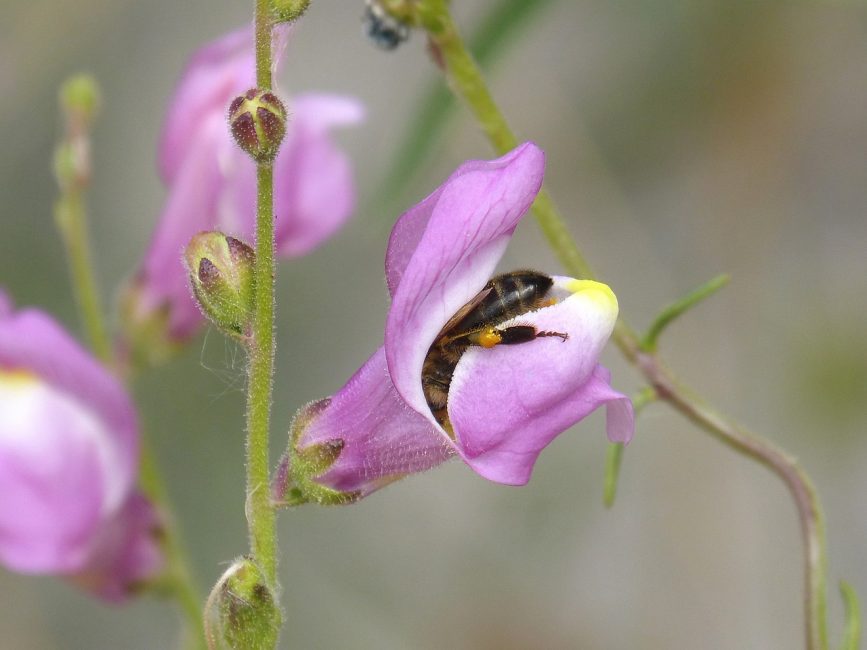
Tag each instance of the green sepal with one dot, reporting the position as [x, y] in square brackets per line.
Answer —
[294, 482]
[285, 11]
[242, 612]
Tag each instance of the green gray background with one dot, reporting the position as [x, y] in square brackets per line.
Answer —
[684, 139]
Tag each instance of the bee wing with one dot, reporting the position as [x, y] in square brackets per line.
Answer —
[461, 314]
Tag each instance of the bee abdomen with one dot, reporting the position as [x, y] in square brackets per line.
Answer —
[512, 294]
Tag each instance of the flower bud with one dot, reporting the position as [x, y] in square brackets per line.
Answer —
[258, 123]
[242, 611]
[221, 275]
[80, 99]
[288, 10]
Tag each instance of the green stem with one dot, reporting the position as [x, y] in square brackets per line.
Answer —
[499, 29]
[72, 167]
[466, 80]
[852, 633]
[178, 580]
[260, 513]
[614, 457]
[71, 218]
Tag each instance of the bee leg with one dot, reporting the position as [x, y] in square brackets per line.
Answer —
[523, 334]
[563, 336]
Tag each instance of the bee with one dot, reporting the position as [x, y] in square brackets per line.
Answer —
[381, 28]
[476, 324]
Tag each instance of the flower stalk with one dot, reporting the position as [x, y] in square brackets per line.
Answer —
[466, 81]
[178, 580]
[260, 513]
[80, 99]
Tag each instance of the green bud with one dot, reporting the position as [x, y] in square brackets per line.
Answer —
[221, 274]
[288, 10]
[80, 99]
[257, 120]
[242, 611]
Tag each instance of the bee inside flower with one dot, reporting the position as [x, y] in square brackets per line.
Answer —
[489, 370]
[478, 323]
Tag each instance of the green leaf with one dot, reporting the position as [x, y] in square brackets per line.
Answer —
[676, 309]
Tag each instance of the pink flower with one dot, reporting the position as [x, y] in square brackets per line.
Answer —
[212, 183]
[68, 462]
[506, 403]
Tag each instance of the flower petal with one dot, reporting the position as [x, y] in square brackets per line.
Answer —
[507, 403]
[54, 460]
[33, 342]
[191, 207]
[124, 553]
[214, 75]
[314, 191]
[442, 251]
[382, 438]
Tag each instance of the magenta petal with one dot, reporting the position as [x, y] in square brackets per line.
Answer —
[124, 553]
[507, 454]
[383, 439]
[191, 208]
[214, 75]
[507, 403]
[52, 482]
[68, 445]
[212, 184]
[314, 189]
[31, 341]
[443, 250]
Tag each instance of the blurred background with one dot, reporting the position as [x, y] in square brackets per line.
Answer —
[684, 139]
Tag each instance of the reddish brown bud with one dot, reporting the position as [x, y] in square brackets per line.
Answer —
[258, 123]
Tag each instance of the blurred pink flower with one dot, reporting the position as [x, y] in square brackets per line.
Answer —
[68, 463]
[505, 404]
[212, 184]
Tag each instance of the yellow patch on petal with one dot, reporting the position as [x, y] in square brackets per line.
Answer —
[598, 292]
[17, 379]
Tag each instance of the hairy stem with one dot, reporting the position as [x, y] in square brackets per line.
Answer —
[70, 217]
[260, 514]
[178, 580]
[73, 170]
[466, 80]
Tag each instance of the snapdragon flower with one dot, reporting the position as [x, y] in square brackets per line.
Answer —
[212, 184]
[68, 463]
[506, 403]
